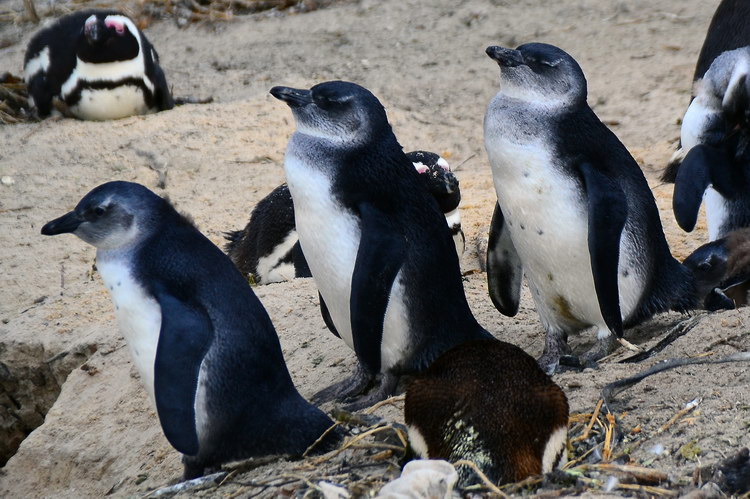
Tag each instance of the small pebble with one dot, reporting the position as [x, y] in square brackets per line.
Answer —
[7, 180]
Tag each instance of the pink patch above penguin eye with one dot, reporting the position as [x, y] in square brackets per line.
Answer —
[421, 168]
[118, 26]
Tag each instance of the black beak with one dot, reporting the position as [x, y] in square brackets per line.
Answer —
[63, 225]
[505, 57]
[293, 97]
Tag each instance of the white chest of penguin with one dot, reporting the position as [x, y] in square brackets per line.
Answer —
[110, 103]
[330, 235]
[138, 317]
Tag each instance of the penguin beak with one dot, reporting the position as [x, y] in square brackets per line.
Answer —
[508, 58]
[63, 225]
[293, 97]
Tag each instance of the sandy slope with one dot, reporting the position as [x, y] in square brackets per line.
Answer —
[426, 62]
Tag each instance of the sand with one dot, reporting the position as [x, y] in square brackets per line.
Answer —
[426, 62]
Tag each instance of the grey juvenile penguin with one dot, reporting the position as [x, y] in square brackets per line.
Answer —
[574, 212]
[376, 242]
[203, 344]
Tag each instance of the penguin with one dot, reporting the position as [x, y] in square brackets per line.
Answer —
[722, 270]
[728, 30]
[377, 244]
[267, 249]
[98, 64]
[204, 346]
[574, 214]
[488, 402]
[715, 137]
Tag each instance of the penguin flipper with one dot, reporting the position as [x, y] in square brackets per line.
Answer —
[607, 212]
[379, 258]
[504, 268]
[703, 165]
[185, 337]
[327, 316]
[162, 95]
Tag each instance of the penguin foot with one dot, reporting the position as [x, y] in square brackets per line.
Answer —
[555, 348]
[386, 388]
[603, 347]
[350, 387]
[192, 468]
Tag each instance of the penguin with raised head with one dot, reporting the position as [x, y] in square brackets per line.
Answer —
[268, 249]
[575, 213]
[203, 344]
[377, 244]
[490, 403]
[98, 64]
[715, 137]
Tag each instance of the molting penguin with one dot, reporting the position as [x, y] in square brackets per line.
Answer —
[378, 247]
[268, 249]
[574, 211]
[715, 135]
[489, 402]
[99, 64]
[205, 348]
[722, 270]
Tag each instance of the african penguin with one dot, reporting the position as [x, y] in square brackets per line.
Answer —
[722, 270]
[203, 344]
[378, 246]
[268, 249]
[574, 212]
[98, 64]
[489, 402]
[715, 137]
[728, 30]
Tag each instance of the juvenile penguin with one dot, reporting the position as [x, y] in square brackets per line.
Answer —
[715, 136]
[378, 247]
[203, 344]
[268, 249]
[574, 211]
[98, 64]
[488, 402]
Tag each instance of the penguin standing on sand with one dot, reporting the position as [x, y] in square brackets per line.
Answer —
[488, 402]
[574, 214]
[268, 248]
[98, 64]
[715, 137]
[204, 346]
[378, 247]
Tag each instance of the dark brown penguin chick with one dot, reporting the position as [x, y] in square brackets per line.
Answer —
[489, 402]
[737, 280]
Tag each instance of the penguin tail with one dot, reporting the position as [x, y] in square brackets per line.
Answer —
[233, 238]
[669, 174]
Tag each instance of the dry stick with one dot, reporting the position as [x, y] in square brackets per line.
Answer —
[349, 443]
[482, 476]
[388, 401]
[616, 387]
[31, 11]
[320, 439]
[631, 486]
[682, 412]
[639, 473]
[681, 329]
[609, 432]
[594, 417]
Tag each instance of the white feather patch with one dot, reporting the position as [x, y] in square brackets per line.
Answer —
[269, 270]
[555, 445]
[40, 62]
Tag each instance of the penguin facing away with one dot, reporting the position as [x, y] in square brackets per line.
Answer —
[205, 348]
[378, 247]
[98, 64]
[715, 137]
[268, 249]
[574, 214]
[488, 402]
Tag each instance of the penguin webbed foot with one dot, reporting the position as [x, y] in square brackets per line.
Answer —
[193, 468]
[604, 346]
[348, 388]
[716, 300]
[556, 349]
[385, 389]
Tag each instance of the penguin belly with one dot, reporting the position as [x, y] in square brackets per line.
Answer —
[547, 217]
[110, 103]
[138, 317]
[329, 235]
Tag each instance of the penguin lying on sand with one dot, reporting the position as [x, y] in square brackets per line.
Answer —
[378, 246]
[99, 64]
[204, 346]
[575, 213]
[268, 249]
[715, 135]
[489, 402]
[722, 270]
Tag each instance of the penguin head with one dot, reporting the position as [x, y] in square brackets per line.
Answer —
[337, 111]
[539, 73]
[709, 265]
[437, 177]
[108, 37]
[111, 216]
[726, 87]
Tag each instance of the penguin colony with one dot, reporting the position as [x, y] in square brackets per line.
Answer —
[574, 215]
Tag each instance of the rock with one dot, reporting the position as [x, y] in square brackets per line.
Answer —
[422, 479]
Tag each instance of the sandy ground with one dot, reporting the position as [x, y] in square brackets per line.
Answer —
[426, 62]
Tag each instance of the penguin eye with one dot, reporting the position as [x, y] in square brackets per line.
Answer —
[99, 211]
